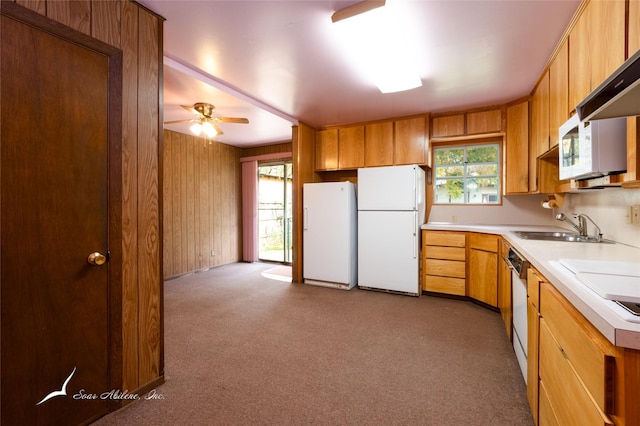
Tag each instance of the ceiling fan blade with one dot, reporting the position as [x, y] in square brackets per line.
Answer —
[218, 129]
[231, 120]
[191, 109]
[190, 120]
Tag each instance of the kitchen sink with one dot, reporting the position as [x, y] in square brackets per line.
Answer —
[558, 236]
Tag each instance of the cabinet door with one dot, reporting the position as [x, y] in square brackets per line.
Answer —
[634, 27]
[504, 296]
[606, 38]
[484, 122]
[378, 144]
[540, 117]
[579, 61]
[558, 93]
[351, 147]
[447, 126]
[327, 149]
[410, 141]
[517, 149]
[483, 276]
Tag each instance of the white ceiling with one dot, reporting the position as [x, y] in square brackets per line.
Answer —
[278, 62]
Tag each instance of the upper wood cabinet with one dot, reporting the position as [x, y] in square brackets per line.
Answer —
[596, 47]
[484, 122]
[558, 93]
[468, 123]
[517, 149]
[378, 144]
[447, 126]
[540, 117]
[634, 27]
[382, 143]
[327, 149]
[410, 140]
[351, 147]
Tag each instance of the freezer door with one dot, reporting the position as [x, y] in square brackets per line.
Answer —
[329, 232]
[388, 251]
[390, 188]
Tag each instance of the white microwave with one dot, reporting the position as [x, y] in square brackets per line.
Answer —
[590, 149]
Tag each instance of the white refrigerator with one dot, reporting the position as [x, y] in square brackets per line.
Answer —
[391, 210]
[329, 237]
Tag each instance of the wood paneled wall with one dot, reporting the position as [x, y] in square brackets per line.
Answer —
[267, 149]
[202, 204]
[138, 33]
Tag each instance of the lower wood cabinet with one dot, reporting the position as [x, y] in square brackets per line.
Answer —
[575, 374]
[504, 288]
[482, 283]
[444, 262]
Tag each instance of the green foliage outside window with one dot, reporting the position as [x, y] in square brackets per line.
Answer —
[468, 174]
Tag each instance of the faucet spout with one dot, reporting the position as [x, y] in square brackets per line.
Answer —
[581, 226]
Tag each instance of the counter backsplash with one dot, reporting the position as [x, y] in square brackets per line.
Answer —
[607, 207]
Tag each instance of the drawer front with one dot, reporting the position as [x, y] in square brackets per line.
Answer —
[447, 253]
[504, 248]
[581, 345]
[533, 287]
[444, 268]
[547, 416]
[567, 397]
[445, 285]
[486, 242]
[445, 238]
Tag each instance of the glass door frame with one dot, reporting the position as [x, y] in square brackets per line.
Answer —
[287, 211]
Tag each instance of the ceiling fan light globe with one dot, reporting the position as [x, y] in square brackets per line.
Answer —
[209, 130]
[196, 129]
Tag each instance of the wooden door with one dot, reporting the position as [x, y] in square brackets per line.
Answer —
[56, 120]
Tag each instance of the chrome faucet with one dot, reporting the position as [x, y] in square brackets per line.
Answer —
[581, 226]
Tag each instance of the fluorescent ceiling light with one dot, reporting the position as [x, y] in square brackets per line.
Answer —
[377, 45]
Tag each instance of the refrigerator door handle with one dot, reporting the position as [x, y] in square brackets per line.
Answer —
[415, 188]
[415, 235]
[306, 218]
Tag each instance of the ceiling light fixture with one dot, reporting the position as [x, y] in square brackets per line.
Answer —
[203, 126]
[375, 41]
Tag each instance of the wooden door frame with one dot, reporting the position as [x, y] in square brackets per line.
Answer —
[114, 162]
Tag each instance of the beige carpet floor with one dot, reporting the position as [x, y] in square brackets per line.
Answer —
[241, 349]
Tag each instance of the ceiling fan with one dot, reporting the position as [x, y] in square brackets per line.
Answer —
[204, 121]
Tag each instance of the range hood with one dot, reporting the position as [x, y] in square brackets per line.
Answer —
[617, 96]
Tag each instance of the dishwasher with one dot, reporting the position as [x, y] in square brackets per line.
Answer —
[519, 265]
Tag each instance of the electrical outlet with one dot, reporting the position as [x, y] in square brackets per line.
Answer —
[213, 253]
[634, 215]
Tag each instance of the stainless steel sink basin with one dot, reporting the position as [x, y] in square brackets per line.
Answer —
[558, 236]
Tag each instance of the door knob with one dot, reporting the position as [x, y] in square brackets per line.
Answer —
[96, 259]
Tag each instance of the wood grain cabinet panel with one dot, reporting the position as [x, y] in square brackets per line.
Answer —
[378, 144]
[581, 345]
[607, 38]
[517, 149]
[447, 126]
[327, 149]
[446, 238]
[350, 147]
[558, 93]
[579, 60]
[504, 288]
[484, 122]
[444, 262]
[634, 27]
[482, 283]
[410, 141]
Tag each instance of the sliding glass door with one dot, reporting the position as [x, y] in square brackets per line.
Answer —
[274, 212]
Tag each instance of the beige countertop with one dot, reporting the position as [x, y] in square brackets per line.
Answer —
[607, 316]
